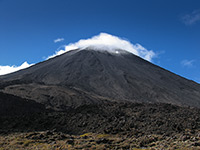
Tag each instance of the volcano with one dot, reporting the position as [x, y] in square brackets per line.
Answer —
[107, 99]
[87, 76]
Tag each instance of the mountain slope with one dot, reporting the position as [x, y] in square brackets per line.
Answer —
[11, 105]
[87, 76]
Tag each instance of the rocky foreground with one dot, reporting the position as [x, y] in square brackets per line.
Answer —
[45, 140]
[103, 126]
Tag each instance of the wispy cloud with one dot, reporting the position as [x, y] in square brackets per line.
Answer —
[111, 43]
[59, 40]
[9, 69]
[187, 63]
[192, 18]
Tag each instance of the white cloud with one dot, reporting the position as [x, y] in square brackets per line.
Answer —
[59, 40]
[192, 18]
[103, 41]
[9, 69]
[187, 63]
[110, 43]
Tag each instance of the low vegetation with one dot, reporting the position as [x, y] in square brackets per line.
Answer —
[58, 141]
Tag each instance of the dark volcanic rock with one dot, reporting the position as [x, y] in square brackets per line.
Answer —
[110, 118]
[11, 105]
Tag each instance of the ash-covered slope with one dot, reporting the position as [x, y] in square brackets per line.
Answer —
[88, 76]
[11, 105]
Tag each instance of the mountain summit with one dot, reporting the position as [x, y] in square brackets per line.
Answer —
[90, 76]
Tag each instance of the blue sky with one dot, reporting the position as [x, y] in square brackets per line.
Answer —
[171, 28]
